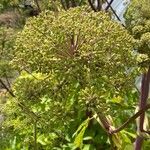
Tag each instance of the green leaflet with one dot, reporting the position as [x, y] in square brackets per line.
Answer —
[80, 133]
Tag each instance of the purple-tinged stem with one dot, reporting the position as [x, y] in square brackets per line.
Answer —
[142, 104]
[138, 143]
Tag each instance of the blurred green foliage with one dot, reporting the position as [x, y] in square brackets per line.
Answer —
[138, 22]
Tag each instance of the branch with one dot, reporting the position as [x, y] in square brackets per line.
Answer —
[27, 111]
[138, 143]
[104, 122]
[8, 90]
[144, 95]
[30, 73]
[131, 119]
[6, 77]
[143, 101]
[148, 132]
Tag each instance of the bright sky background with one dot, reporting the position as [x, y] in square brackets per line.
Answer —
[120, 7]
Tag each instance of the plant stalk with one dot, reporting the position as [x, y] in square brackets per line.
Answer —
[143, 102]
